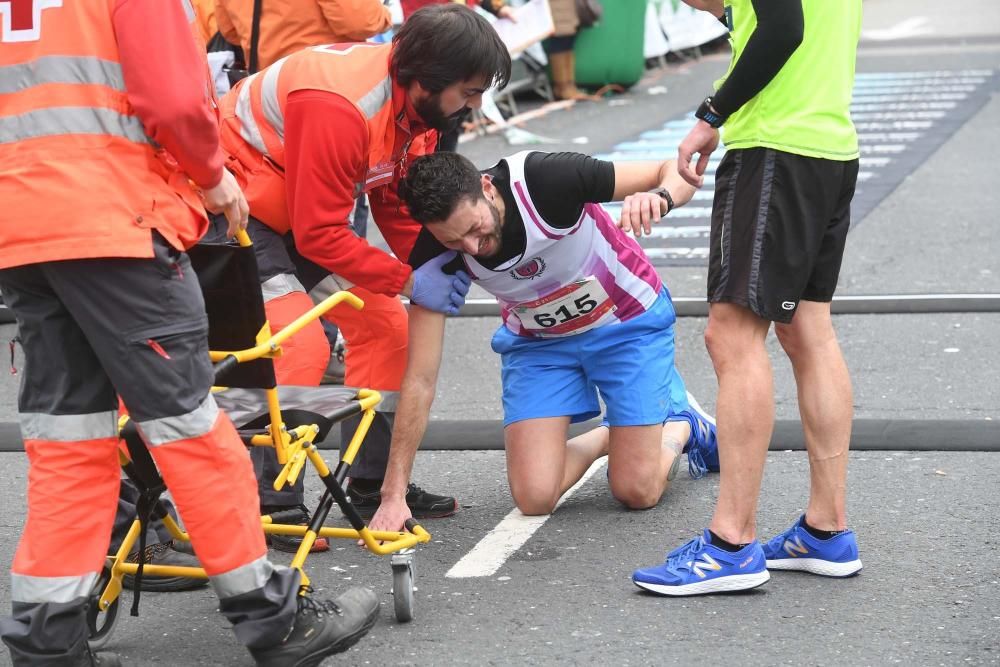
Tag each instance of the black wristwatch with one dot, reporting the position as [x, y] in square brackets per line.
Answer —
[665, 195]
[706, 114]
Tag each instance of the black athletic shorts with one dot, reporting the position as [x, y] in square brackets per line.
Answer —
[779, 225]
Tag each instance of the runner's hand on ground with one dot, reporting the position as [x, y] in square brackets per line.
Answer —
[391, 515]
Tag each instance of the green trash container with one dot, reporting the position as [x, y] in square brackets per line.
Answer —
[612, 50]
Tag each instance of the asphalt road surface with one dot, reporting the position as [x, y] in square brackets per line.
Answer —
[558, 591]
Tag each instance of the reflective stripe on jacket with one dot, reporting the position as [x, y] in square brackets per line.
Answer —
[79, 176]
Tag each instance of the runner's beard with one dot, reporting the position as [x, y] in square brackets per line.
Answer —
[494, 235]
[429, 110]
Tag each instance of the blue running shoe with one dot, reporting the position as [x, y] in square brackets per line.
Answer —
[698, 568]
[797, 549]
[702, 447]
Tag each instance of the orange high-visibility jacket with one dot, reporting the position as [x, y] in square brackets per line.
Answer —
[79, 176]
[205, 20]
[253, 120]
[287, 26]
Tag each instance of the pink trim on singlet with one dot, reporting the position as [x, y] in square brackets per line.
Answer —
[534, 215]
[629, 253]
[628, 306]
[511, 321]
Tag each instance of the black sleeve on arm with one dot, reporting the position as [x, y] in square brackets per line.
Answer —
[780, 26]
[561, 183]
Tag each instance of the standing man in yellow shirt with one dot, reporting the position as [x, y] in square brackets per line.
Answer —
[779, 225]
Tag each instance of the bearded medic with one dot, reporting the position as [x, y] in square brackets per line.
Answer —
[308, 135]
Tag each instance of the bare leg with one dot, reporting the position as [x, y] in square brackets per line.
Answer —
[639, 461]
[826, 409]
[745, 415]
[542, 465]
[675, 436]
[581, 452]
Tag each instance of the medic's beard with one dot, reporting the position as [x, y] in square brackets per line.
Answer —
[429, 109]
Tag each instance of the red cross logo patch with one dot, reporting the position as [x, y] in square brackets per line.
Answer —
[22, 19]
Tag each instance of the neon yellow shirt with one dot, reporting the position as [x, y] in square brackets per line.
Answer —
[805, 109]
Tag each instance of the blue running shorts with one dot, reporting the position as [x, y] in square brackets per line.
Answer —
[631, 364]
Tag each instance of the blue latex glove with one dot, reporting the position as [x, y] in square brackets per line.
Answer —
[436, 290]
[460, 289]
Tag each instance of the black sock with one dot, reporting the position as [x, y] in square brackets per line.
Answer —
[366, 485]
[726, 546]
[820, 534]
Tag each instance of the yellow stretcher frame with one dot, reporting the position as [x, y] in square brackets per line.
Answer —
[294, 448]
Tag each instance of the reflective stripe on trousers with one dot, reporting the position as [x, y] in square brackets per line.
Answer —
[72, 493]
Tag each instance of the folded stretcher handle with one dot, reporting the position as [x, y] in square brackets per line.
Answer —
[274, 342]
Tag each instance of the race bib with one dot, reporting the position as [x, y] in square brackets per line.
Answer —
[570, 310]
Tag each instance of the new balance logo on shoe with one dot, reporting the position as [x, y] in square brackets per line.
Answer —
[697, 568]
[795, 548]
[706, 563]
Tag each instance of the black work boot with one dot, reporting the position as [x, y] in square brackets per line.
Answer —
[322, 628]
[366, 496]
[164, 554]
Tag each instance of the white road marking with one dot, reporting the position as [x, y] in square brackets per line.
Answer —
[510, 534]
[911, 27]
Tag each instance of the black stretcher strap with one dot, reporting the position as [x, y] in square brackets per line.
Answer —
[142, 471]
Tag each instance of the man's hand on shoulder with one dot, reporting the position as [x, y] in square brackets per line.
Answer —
[429, 286]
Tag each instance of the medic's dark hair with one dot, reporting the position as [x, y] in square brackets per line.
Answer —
[440, 45]
[435, 184]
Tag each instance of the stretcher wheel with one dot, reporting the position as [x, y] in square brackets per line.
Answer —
[100, 625]
[402, 585]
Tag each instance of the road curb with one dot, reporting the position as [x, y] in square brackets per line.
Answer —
[939, 435]
[854, 304]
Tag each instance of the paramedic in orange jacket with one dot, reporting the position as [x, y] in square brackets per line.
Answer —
[99, 145]
[287, 26]
[305, 137]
